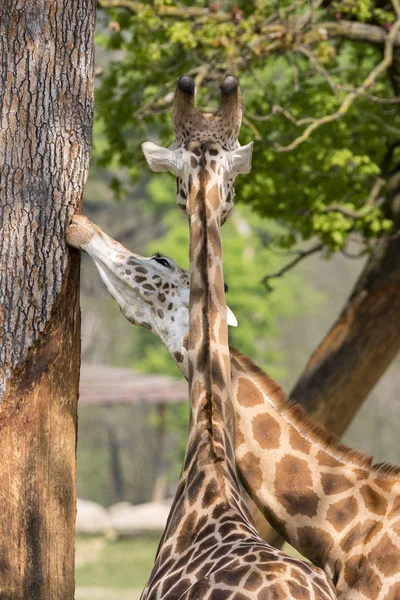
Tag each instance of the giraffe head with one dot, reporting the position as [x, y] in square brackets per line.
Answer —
[152, 292]
[205, 143]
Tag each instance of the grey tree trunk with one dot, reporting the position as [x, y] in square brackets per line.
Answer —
[46, 109]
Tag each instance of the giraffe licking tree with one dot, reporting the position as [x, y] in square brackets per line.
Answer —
[324, 498]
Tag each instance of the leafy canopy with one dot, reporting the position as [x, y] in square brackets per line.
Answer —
[320, 188]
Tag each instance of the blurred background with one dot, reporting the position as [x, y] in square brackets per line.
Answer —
[323, 205]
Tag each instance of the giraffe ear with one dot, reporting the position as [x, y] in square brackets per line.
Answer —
[231, 319]
[240, 160]
[163, 159]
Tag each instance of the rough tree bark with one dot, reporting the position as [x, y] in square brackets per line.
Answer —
[46, 109]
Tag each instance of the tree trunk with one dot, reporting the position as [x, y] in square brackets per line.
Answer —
[160, 467]
[46, 108]
[361, 344]
[117, 475]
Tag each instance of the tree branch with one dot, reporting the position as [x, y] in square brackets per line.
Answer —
[301, 255]
[175, 12]
[355, 31]
[348, 101]
[318, 67]
[338, 208]
[375, 191]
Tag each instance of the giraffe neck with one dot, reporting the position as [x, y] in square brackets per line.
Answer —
[208, 493]
[208, 349]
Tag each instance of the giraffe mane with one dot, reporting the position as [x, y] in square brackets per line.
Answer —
[313, 432]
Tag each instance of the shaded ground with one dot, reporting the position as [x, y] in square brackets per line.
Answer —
[106, 594]
[113, 570]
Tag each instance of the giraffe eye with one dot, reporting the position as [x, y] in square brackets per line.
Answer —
[162, 261]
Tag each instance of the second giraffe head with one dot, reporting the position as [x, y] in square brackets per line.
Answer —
[206, 152]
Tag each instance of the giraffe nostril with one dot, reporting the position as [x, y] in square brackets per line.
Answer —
[226, 287]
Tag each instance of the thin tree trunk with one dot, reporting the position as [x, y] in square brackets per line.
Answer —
[117, 475]
[46, 109]
[160, 466]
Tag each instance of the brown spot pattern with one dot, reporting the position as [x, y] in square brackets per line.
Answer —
[386, 557]
[373, 500]
[278, 593]
[315, 542]
[266, 431]
[334, 484]
[293, 486]
[299, 442]
[248, 393]
[253, 582]
[251, 471]
[178, 357]
[298, 591]
[360, 578]
[326, 460]
[395, 510]
[360, 533]
[342, 513]
[211, 494]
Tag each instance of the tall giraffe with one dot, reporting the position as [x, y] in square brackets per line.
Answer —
[209, 517]
[333, 506]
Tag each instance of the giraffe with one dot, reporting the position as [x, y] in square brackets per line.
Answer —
[190, 560]
[210, 160]
[340, 512]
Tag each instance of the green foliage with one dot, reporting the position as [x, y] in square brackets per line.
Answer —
[363, 10]
[338, 164]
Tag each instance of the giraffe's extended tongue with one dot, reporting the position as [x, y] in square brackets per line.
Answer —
[80, 231]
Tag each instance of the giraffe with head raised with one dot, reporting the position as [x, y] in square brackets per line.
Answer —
[209, 517]
[325, 499]
[210, 548]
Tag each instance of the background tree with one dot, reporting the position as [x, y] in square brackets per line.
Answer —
[320, 82]
[46, 108]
